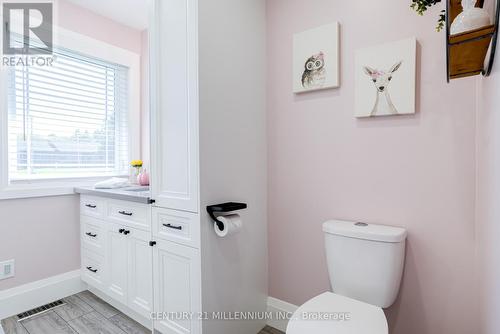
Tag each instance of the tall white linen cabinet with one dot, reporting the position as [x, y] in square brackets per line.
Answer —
[208, 146]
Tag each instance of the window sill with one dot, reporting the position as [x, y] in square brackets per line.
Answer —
[45, 188]
[23, 192]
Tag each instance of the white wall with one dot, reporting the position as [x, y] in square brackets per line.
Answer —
[233, 157]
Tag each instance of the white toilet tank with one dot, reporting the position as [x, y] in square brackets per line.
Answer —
[365, 261]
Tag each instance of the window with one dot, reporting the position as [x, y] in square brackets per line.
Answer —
[67, 120]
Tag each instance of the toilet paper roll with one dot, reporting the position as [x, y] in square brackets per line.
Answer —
[228, 225]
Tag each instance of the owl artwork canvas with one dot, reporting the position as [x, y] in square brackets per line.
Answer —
[316, 59]
[314, 71]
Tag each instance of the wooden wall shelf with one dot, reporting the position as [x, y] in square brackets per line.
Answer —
[467, 52]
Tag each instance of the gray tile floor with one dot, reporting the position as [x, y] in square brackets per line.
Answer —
[83, 313]
[270, 330]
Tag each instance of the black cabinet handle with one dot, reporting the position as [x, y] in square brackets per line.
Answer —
[121, 230]
[91, 206]
[92, 270]
[173, 227]
[125, 213]
[126, 232]
[152, 243]
[91, 235]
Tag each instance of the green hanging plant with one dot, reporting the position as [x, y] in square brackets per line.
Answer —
[421, 6]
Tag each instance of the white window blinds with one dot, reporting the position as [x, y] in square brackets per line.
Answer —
[68, 120]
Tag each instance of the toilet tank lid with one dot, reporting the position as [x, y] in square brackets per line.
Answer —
[365, 231]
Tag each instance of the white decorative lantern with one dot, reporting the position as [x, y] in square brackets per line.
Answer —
[471, 18]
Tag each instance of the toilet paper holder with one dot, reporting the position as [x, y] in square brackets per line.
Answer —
[224, 208]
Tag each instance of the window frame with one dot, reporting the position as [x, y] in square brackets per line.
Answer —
[63, 186]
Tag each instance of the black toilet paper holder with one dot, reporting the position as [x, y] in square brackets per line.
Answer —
[224, 208]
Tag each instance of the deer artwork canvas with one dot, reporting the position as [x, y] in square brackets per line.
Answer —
[385, 79]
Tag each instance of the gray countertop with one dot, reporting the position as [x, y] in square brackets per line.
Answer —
[133, 193]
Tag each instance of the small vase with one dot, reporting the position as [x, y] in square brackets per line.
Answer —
[143, 178]
[134, 175]
[471, 18]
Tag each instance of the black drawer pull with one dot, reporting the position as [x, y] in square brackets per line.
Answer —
[92, 270]
[173, 227]
[121, 230]
[92, 206]
[125, 213]
[126, 232]
[91, 235]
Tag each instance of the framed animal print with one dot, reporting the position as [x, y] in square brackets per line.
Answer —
[385, 79]
[316, 58]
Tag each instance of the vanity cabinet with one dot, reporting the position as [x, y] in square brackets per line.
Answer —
[117, 258]
[129, 248]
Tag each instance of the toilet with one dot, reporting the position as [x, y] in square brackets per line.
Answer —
[365, 264]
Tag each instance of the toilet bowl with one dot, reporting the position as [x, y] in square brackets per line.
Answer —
[365, 264]
[330, 313]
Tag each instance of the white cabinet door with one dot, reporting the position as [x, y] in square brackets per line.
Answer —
[177, 288]
[116, 262]
[140, 272]
[174, 105]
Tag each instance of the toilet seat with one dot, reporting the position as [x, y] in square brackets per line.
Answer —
[364, 318]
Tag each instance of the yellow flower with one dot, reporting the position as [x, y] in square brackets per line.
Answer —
[136, 163]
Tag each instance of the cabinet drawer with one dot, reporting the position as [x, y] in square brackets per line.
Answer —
[93, 269]
[131, 214]
[92, 206]
[93, 234]
[177, 226]
[128, 232]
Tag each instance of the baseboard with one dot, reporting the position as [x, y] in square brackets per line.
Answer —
[31, 295]
[281, 312]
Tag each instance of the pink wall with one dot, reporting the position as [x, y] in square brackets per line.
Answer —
[488, 196]
[92, 24]
[413, 171]
[42, 234]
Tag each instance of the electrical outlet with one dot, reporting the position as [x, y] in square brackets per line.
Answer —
[7, 269]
